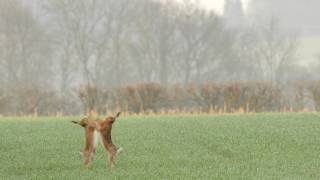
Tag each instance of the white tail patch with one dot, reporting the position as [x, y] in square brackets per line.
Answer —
[96, 138]
[119, 150]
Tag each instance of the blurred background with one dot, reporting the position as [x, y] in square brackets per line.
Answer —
[72, 57]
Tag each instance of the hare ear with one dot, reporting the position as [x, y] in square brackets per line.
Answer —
[118, 114]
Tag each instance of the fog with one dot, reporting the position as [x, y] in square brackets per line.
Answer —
[70, 57]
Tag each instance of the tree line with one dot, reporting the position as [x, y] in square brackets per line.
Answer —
[52, 56]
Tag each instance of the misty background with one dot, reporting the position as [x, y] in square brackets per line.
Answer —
[74, 57]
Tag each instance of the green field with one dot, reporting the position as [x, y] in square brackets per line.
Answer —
[253, 146]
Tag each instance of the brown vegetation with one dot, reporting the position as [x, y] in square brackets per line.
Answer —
[151, 97]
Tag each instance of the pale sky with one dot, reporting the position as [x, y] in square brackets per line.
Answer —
[216, 5]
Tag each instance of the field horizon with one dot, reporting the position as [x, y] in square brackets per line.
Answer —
[229, 146]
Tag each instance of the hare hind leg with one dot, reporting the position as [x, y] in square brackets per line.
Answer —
[112, 152]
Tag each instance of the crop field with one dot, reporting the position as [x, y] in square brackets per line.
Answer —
[244, 146]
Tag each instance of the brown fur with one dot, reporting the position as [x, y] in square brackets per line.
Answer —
[103, 127]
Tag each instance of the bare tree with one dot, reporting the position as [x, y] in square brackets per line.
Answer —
[275, 51]
[117, 28]
[25, 56]
[81, 23]
[26, 51]
[152, 40]
[201, 42]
